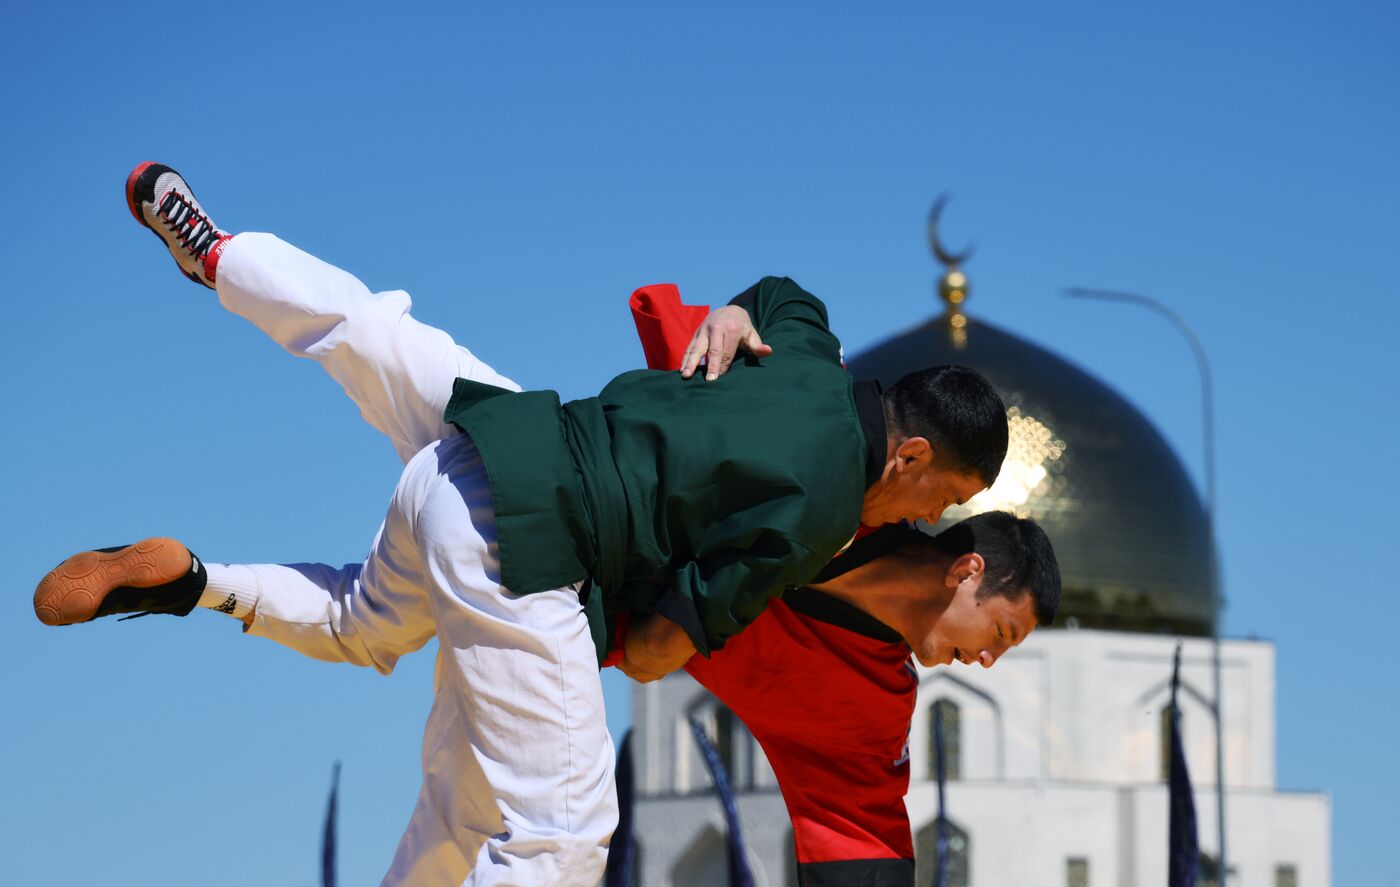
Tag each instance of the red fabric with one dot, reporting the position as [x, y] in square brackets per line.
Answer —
[831, 707]
[622, 622]
[832, 710]
[665, 325]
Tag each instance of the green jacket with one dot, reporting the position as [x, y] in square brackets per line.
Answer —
[697, 500]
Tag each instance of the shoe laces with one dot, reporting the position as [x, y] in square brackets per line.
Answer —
[191, 227]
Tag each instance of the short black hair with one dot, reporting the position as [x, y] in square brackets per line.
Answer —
[1018, 555]
[957, 410]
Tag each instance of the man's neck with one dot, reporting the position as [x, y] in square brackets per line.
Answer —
[893, 589]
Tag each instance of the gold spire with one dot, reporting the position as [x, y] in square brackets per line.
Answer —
[953, 287]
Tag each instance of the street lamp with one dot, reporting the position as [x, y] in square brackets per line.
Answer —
[1208, 435]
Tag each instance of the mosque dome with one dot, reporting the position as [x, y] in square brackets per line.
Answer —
[1128, 526]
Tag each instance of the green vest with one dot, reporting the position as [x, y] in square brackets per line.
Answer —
[697, 500]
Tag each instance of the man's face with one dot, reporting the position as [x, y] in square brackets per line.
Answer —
[917, 486]
[974, 630]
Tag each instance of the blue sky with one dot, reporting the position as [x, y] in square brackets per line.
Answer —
[519, 169]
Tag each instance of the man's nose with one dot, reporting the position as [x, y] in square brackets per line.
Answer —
[932, 517]
[989, 657]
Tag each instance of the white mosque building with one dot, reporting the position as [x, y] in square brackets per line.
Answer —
[1056, 758]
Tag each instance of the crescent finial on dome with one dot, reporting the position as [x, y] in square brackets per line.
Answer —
[953, 286]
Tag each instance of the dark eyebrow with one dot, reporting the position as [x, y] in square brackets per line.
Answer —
[1014, 632]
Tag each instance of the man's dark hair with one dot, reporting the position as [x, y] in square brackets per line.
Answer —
[957, 410]
[1018, 555]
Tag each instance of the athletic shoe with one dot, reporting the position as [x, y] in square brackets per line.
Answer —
[153, 576]
[161, 200]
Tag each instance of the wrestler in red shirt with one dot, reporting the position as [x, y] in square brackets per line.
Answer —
[827, 690]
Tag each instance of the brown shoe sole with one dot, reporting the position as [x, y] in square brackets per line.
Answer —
[74, 589]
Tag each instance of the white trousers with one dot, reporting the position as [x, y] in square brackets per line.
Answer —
[517, 761]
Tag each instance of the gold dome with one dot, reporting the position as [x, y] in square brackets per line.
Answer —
[1128, 527]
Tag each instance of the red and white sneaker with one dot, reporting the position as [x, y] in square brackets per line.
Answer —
[161, 200]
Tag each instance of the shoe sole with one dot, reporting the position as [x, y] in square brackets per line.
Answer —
[74, 590]
[131, 190]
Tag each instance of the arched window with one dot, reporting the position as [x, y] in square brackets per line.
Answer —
[926, 856]
[952, 739]
[1076, 872]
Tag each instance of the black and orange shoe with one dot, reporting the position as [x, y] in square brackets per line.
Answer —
[161, 200]
[153, 576]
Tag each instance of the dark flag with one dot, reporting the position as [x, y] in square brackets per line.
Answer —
[328, 835]
[739, 874]
[1182, 850]
[622, 853]
[940, 872]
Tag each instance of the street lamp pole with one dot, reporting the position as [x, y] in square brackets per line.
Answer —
[1208, 434]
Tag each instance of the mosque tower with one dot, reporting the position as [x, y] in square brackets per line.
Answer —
[1057, 756]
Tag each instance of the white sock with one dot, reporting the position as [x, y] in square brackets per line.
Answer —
[231, 589]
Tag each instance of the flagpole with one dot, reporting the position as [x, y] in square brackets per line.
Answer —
[1213, 569]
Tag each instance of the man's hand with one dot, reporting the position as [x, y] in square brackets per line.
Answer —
[654, 648]
[719, 338]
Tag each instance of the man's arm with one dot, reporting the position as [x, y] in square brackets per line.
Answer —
[711, 600]
[717, 595]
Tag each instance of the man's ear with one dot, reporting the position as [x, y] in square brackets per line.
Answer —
[913, 452]
[969, 566]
